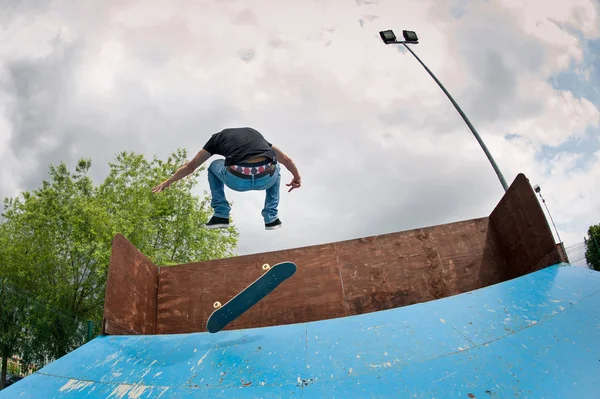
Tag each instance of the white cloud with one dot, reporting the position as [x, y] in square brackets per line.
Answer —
[378, 144]
[536, 15]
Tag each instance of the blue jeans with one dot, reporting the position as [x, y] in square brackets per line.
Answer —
[219, 177]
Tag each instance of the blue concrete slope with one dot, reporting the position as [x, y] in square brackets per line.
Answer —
[533, 337]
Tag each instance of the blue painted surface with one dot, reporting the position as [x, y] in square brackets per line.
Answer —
[533, 337]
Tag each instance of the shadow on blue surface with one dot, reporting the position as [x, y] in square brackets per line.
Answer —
[536, 336]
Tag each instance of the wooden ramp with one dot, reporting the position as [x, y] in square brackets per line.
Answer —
[535, 336]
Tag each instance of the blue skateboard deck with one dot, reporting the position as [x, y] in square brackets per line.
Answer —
[250, 296]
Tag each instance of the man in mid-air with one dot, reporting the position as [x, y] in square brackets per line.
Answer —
[251, 163]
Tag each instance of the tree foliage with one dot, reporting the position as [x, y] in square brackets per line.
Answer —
[167, 226]
[592, 252]
[55, 244]
[12, 321]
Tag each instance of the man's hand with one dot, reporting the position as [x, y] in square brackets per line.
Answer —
[289, 164]
[295, 183]
[161, 186]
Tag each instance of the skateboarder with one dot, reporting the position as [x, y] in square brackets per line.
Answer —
[251, 163]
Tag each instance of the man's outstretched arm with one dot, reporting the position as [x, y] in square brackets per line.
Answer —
[291, 166]
[201, 157]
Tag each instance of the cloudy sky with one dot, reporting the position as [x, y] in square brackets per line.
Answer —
[379, 146]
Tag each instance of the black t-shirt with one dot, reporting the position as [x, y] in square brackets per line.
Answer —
[238, 145]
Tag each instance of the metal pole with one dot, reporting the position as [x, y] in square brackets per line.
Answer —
[549, 214]
[462, 114]
[90, 330]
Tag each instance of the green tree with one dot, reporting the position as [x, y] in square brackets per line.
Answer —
[592, 252]
[12, 319]
[56, 242]
[168, 226]
[61, 234]
[11, 315]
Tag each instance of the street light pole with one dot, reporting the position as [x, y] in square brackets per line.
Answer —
[410, 37]
[538, 190]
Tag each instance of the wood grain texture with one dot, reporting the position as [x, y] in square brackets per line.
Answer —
[416, 266]
[522, 231]
[187, 292]
[131, 291]
[336, 279]
[470, 256]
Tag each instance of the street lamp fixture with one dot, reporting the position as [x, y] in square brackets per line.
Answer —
[389, 37]
[410, 37]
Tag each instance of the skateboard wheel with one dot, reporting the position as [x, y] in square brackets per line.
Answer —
[217, 305]
[266, 266]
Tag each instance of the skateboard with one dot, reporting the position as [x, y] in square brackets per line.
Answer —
[272, 277]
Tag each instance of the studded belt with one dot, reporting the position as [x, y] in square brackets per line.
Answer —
[249, 171]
